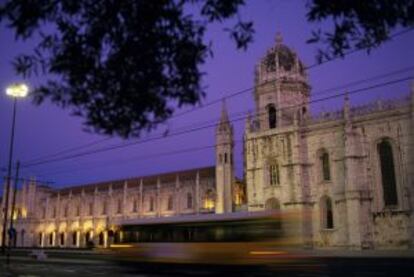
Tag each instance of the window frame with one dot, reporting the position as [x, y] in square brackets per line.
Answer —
[380, 176]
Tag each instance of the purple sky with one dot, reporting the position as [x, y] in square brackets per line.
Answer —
[45, 130]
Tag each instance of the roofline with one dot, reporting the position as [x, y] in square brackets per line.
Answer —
[134, 178]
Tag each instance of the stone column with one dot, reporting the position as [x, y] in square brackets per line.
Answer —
[124, 199]
[197, 193]
[158, 197]
[106, 244]
[177, 195]
[357, 199]
[141, 198]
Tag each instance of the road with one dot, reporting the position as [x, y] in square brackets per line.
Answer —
[321, 266]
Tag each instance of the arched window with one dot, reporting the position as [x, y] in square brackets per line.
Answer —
[90, 208]
[170, 203]
[271, 110]
[151, 204]
[274, 176]
[74, 238]
[51, 239]
[134, 206]
[101, 238]
[104, 207]
[62, 239]
[325, 166]
[225, 158]
[389, 185]
[66, 211]
[77, 210]
[189, 201]
[209, 199]
[220, 158]
[119, 207]
[327, 213]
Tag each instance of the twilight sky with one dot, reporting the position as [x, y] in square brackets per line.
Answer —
[46, 130]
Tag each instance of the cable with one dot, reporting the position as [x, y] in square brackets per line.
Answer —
[169, 153]
[218, 100]
[406, 69]
[402, 32]
[212, 125]
[156, 155]
[96, 142]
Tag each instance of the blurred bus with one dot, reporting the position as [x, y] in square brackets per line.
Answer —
[234, 238]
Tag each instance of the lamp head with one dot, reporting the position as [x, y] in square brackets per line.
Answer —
[17, 90]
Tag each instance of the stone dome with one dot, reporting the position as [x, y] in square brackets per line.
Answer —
[281, 58]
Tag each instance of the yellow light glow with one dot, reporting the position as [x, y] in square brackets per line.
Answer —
[267, 252]
[87, 225]
[24, 212]
[120, 246]
[51, 228]
[18, 90]
[208, 203]
[15, 214]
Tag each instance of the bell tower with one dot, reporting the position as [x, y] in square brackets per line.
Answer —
[224, 163]
[281, 87]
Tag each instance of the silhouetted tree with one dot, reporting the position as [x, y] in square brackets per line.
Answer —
[357, 24]
[126, 65]
[122, 65]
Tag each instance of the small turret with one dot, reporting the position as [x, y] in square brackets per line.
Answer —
[224, 163]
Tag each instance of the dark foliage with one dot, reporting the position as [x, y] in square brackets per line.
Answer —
[126, 65]
[122, 65]
[357, 24]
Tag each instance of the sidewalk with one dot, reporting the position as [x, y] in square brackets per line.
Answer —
[338, 253]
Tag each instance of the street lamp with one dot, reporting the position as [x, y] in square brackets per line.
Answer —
[17, 90]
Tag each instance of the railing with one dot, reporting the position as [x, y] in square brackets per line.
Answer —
[373, 107]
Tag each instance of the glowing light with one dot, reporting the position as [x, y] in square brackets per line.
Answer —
[121, 246]
[87, 225]
[267, 252]
[24, 212]
[18, 90]
[15, 213]
[208, 203]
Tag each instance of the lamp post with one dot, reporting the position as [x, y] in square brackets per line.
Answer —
[18, 90]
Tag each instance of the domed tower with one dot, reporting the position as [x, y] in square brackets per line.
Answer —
[281, 87]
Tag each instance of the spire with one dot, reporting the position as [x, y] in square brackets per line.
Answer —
[347, 108]
[412, 89]
[278, 39]
[224, 123]
[412, 94]
[224, 115]
[248, 122]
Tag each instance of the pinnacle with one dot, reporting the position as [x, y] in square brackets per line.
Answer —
[278, 39]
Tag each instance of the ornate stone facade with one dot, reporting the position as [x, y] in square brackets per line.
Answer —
[71, 217]
[349, 171]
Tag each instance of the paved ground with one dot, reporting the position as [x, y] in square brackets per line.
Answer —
[76, 264]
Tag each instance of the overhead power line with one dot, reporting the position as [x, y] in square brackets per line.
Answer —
[218, 100]
[321, 92]
[105, 149]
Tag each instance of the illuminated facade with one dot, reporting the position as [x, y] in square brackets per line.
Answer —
[349, 171]
[73, 216]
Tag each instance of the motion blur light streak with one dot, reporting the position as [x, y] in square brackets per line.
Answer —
[267, 252]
